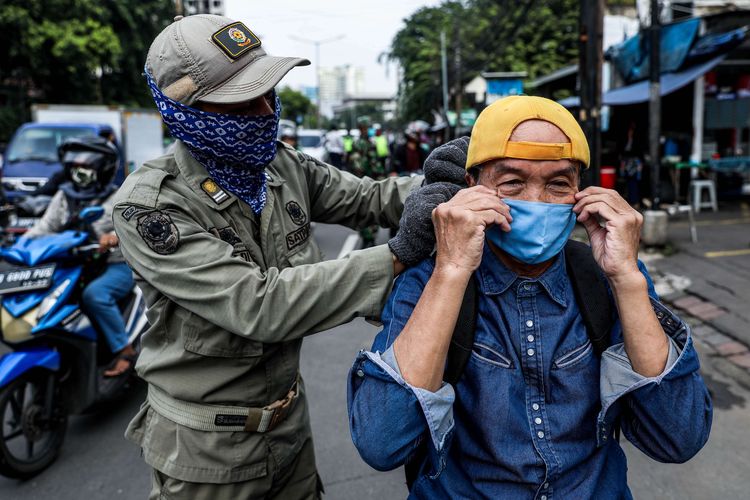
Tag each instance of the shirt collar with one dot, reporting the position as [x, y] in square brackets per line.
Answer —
[496, 278]
[196, 175]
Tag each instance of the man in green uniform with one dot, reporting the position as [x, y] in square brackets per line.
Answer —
[218, 235]
[363, 162]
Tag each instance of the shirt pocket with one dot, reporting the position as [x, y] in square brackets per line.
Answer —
[574, 356]
[487, 355]
[207, 339]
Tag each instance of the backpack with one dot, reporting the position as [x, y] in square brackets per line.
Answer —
[592, 297]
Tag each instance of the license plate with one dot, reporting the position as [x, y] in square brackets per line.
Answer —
[24, 279]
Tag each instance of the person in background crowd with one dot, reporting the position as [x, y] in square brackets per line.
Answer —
[334, 145]
[409, 156]
[381, 149]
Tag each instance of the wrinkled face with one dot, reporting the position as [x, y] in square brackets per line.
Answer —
[546, 181]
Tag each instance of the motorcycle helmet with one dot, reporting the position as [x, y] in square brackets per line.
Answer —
[90, 163]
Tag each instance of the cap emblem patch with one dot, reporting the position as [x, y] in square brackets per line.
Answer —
[235, 39]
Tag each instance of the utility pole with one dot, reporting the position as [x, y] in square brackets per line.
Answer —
[590, 61]
[654, 103]
[458, 67]
[444, 70]
[317, 44]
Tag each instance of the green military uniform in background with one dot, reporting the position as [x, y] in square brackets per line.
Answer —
[230, 298]
[363, 162]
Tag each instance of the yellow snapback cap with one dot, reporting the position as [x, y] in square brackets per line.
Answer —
[490, 138]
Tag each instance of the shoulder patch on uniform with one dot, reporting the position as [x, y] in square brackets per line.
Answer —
[295, 211]
[297, 237]
[159, 232]
[213, 191]
[129, 212]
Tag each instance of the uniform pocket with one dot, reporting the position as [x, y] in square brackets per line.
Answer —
[488, 355]
[574, 356]
[210, 340]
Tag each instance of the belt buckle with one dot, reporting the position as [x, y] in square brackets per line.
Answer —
[282, 407]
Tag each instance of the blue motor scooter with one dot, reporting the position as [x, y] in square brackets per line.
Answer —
[58, 358]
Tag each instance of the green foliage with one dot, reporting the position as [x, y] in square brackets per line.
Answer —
[78, 51]
[536, 36]
[294, 104]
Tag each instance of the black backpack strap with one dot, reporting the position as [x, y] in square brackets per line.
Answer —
[458, 355]
[463, 335]
[591, 293]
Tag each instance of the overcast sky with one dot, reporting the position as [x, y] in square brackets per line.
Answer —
[368, 28]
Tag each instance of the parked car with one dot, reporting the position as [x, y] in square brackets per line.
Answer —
[310, 141]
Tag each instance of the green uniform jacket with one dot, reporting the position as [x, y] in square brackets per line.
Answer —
[231, 295]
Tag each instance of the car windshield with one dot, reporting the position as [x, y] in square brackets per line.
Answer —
[41, 143]
[309, 141]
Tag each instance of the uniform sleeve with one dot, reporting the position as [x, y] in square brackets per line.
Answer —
[54, 218]
[669, 416]
[388, 418]
[196, 270]
[338, 197]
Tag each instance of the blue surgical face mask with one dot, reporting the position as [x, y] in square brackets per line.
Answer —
[538, 232]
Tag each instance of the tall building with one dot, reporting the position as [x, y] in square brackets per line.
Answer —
[203, 7]
[337, 83]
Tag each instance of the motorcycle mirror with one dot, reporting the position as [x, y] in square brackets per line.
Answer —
[90, 214]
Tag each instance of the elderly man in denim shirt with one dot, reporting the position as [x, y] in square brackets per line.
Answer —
[536, 411]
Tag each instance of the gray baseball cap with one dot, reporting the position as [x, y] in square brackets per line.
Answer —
[214, 59]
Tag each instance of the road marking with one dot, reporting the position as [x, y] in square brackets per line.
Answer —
[349, 244]
[727, 253]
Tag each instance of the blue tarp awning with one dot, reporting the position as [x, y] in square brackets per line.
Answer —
[639, 92]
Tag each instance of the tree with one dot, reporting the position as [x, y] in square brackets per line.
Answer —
[294, 105]
[77, 51]
[536, 36]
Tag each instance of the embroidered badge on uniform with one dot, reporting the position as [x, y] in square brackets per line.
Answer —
[298, 237]
[129, 212]
[235, 39]
[214, 191]
[229, 235]
[295, 211]
[159, 232]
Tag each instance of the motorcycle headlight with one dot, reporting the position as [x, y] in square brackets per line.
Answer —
[50, 300]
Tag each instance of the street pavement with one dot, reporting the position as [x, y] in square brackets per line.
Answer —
[97, 463]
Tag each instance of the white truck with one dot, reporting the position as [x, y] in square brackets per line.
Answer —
[138, 132]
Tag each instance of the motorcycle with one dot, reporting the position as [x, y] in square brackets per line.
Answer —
[58, 358]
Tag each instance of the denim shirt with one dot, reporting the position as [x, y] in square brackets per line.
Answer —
[534, 413]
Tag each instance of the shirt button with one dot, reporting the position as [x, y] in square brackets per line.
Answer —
[538, 421]
[530, 352]
[543, 497]
[535, 407]
[360, 373]
[540, 434]
[529, 323]
[527, 286]
[530, 338]
[545, 485]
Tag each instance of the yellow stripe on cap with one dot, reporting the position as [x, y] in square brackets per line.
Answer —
[490, 138]
[538, 150]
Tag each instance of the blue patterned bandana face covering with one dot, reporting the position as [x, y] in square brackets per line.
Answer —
[539, 231]
[234, 149]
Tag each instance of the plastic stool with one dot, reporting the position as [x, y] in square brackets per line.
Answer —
[696, 195]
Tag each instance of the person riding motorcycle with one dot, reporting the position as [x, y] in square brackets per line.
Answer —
[90, 164]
